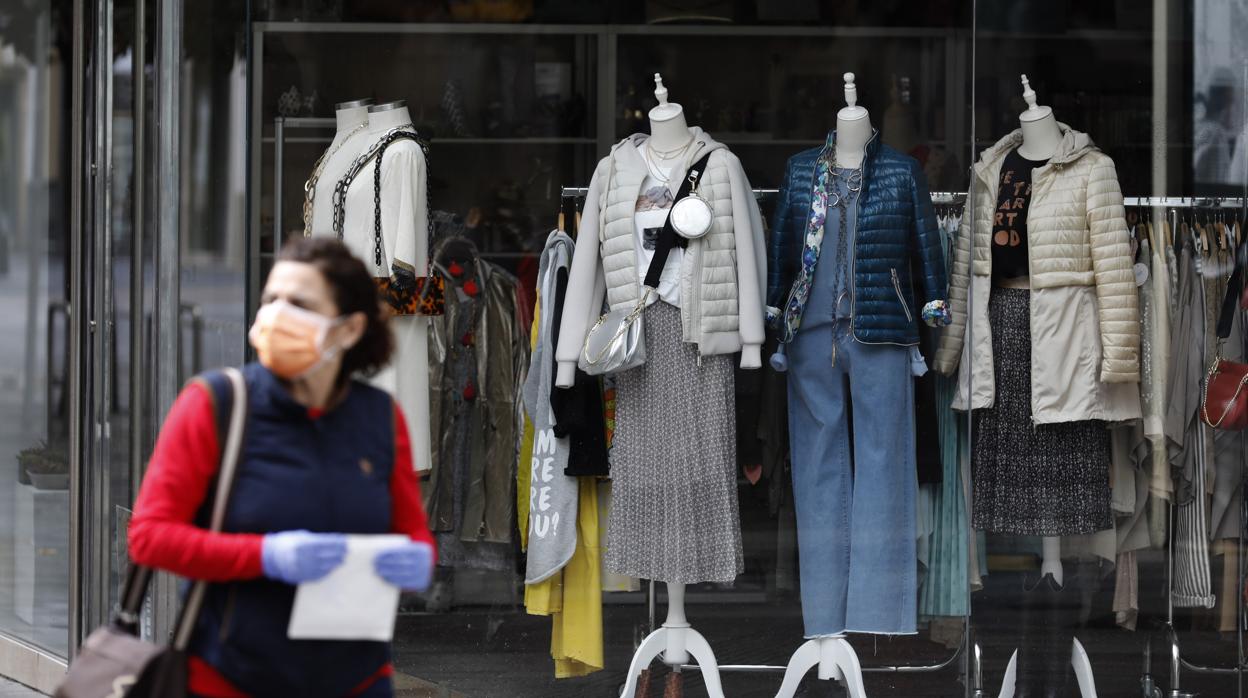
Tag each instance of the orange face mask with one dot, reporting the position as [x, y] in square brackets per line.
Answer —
[289, 340]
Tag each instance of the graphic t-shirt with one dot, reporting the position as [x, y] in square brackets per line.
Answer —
[649, 218]
[1009, 223]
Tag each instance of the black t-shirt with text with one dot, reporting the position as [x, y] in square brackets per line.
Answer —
[1009, 223]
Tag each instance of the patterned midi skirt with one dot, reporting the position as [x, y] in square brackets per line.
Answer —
[1041, 479]
[674, 511]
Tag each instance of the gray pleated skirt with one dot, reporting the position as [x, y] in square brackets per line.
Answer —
[1033, 479]
[674, 511]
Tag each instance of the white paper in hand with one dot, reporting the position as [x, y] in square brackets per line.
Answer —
[352, 602]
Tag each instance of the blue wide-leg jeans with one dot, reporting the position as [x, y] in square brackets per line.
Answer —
[855, 507]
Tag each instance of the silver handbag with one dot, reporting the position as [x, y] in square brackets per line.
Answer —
[616, 342]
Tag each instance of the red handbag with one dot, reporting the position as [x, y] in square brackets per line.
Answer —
[1223, 400]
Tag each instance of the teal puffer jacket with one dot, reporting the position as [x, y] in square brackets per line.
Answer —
[896, 233]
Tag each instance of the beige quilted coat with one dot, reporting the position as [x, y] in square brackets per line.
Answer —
[723, 274]
[1085, 327]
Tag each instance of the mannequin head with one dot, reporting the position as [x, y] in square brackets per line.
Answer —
[349, 115]
[853, 128]
[668, 129]
[1041, 134]
[665, 111]
[1033, 113]
[383, 117]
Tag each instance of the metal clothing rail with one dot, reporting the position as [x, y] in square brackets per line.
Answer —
[938, 197]
[959, 197]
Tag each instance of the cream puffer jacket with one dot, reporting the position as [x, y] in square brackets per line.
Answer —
[723, 273]
[1085, 325]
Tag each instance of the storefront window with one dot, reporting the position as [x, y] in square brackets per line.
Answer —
[923, 392]
[35, 88]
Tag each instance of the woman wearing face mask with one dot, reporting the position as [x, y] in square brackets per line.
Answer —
[323, 456]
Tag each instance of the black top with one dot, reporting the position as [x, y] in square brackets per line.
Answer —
[1009, 224]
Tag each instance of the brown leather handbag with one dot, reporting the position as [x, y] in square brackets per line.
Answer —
[1223, 399]
[114, 662]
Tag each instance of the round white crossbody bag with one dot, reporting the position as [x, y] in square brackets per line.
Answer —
[692, 216]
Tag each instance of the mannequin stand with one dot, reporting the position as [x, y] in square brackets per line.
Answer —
[836, 660]
[1078, 660]
[676, 641]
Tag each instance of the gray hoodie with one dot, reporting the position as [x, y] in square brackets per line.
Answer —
[552, 495]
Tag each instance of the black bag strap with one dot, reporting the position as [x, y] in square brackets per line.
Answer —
[668, 237]
[1230, 302]
[229, 395]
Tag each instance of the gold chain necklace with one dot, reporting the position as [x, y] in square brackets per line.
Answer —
[309, 187]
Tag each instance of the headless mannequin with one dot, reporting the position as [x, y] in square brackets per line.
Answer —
[407, 376]
[350, 116]
[1041, 137]
[833, 655]
[676, 641]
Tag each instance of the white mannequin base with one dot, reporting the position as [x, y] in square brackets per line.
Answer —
[1078, 660]
[836, 660]
[676, 641]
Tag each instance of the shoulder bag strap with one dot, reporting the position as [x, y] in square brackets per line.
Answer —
[668, 237]
[1234, 288]
[233, 393]
[230, 451]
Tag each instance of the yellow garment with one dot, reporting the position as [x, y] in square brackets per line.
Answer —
[573, 595]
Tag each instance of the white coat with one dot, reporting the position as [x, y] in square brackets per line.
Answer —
[1085, 324]
[723, 274]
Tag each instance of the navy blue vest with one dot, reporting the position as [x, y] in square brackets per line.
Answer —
[327, 475]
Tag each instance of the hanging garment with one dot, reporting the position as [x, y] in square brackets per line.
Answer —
[479, 352]
[572, 597]
[1033, 479]
[552, 493]
[1187, 435]
[674, 515]
[1229, 448]
[944, 591]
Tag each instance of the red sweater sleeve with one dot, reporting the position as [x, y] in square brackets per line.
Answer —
[407, 511]
[162, 531]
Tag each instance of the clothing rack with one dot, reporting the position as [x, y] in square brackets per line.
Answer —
[1175, 657]
[571, 195]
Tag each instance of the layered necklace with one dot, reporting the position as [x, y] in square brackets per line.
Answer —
[656, 156]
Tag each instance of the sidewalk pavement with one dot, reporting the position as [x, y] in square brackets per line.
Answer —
[9, 689]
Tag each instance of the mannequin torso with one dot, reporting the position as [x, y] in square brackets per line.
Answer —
[352, 121]
[404, 244]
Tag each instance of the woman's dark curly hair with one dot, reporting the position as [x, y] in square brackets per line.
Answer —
[354, 292]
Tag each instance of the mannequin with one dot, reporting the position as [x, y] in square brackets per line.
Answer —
[404, 243]
[676, 641]
[825, 468]
[352, 120]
